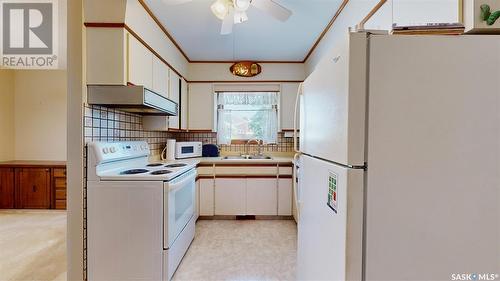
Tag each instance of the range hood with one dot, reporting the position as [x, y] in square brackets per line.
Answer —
[134, 99]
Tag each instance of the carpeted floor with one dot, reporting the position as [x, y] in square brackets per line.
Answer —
[32, 245]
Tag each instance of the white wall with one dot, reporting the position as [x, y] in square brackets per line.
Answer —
[412, 12]
[352, 14]
[270, 71]
[6, 115]
[219, 73]
[403, 12]
[104, 11]
[40, 115]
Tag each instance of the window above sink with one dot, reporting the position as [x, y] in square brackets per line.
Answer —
[242, 116]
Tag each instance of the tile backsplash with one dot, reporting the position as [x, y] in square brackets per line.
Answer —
[283, 144]
[108, 124]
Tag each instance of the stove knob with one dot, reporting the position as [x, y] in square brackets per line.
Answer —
[105, 150]
[112, 149]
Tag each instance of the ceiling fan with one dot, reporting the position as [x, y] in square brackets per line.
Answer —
[234, 11]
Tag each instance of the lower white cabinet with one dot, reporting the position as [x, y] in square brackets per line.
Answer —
[285, 197]
[206, 187]
[230, 196]
[261, 196]
[197, 200]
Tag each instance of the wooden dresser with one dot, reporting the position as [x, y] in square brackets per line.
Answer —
[33, 185]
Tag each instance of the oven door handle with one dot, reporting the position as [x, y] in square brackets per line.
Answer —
[179, 184]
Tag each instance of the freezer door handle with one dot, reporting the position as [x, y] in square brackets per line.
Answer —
[297, 99]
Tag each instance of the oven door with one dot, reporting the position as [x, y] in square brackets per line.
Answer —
[178, 208]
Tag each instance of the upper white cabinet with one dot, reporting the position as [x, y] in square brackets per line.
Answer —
[140, 63]
[261, 197]
[288, 97]
[174, 95]
[115, 57]
[201, 106]
[106, 56]
[161, 77]
[184, 105]
[161, 82]
[161, 123]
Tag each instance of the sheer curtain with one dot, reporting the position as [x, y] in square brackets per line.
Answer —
[262, 107]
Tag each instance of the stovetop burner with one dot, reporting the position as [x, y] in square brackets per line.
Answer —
[176, 165]
[161, 172]
[154, 165]
[134, 171]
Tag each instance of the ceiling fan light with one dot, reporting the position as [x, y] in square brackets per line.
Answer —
[241, 5]
[240, 17]
[220, 9]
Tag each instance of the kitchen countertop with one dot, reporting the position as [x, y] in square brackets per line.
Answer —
[33, 163]
[220, 160]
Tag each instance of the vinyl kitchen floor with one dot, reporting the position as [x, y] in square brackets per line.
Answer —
[32, 245]
[241, 250]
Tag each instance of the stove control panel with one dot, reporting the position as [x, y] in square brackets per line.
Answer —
[105, 152]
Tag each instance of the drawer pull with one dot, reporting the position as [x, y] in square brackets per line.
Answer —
[34, 188]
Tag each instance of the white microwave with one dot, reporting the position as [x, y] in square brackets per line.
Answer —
[188, 149]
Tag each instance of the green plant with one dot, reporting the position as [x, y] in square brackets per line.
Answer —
[493, 18]
[485, 11]
[488, 16]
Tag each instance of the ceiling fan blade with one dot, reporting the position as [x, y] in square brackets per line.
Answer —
[176, 2]
[227, 23]
[274, 9]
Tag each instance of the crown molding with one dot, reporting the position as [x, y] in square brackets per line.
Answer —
[327, 28]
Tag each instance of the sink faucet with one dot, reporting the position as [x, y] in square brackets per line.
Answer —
[260, 143]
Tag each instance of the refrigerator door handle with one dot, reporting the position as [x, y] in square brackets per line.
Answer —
[295, 134]
[295, 185]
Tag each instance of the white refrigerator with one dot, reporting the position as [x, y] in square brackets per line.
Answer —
[400, 159]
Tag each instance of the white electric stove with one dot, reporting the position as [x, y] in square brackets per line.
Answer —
[140, 213]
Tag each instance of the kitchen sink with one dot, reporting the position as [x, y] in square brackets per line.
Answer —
[247, 157]
[234, 157]
[260, 157]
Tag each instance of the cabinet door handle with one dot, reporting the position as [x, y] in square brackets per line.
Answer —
[34, 188]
